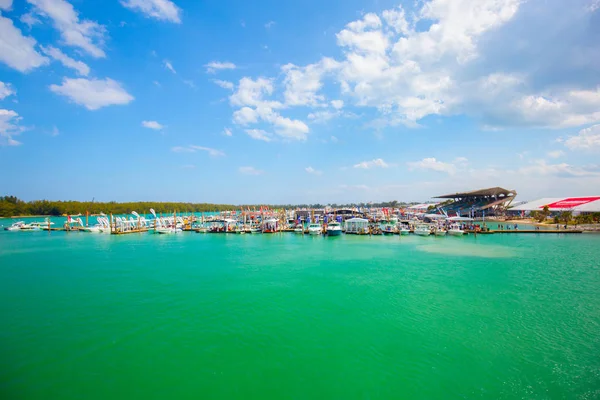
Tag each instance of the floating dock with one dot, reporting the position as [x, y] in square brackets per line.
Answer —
[494, 231]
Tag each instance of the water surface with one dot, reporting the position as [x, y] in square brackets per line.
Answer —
[291, 316]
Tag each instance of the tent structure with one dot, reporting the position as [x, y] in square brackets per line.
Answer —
[557, 204]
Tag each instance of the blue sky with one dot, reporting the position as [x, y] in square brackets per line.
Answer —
[293, 102]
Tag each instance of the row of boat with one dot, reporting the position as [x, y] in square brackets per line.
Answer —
[176, 224]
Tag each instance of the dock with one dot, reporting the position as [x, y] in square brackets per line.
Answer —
[494, 231]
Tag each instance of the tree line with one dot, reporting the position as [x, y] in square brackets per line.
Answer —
[13, 206]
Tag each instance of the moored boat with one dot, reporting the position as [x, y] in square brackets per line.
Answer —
[456, 230]
[314, 229]
[15, 226]
[334, 229]
[422, 230]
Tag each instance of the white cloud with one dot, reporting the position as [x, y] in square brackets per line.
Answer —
[562, 170]
[250, 171]
[227, 132]
[245, 116]
[334, 139]
[455, 63]
[189, 83]
[376, 163]
[313, 171]
[251, 92]
[215, 66]
[6, 90]
[224, 84]
[586, 139]
[152, 125]
[434, 165]
[18, 51]
[5, 4]
[250, 97]
[556, 154]
[55, 132]
[320, 117]
[163, 10]
[84, 34]
[269, 24]
[289, 128]
[259, 134]
[302, 84]
[194, 148]
[337, 104]
[29, 19]
[169, 66]
[79, 66]
[93, 93]
[9, 127]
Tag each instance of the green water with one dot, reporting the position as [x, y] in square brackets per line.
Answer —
[88, 316]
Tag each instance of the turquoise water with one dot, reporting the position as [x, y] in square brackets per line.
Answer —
[289, 316]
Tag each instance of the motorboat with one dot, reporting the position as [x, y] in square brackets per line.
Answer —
[334, 229]
[456, 226]
[168, 230]
[32, 226]
[403, 227]
[315, 229]
[15, 226]
[388, 229]
[439, 231]
[456, 229]
[422, 229]
[299, 229]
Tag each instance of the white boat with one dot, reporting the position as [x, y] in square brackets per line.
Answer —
[299, 229]
[334, 229]
[255, 230]
[456, 227]
[315, 229]
[404, 230]
[15, 226]
[32, 226]
[168, 230]
[439, 231]
[456, 230]
[422, 230]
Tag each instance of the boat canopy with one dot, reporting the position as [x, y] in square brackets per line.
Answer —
[434, 216]
[457, 219]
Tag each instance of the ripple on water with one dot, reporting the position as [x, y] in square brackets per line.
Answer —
[468, 249]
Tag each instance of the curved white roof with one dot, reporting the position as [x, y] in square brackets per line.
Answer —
[579, 204]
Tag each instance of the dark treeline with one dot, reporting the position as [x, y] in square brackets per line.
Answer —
[12, 206]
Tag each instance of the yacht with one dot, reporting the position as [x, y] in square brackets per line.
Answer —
[423, 230]
[334, 229]
[15, 226]
[315, 229]
[456, 229]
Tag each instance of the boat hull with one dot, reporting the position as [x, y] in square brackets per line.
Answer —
[456, 232]
[422, 233]
[334, 232]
